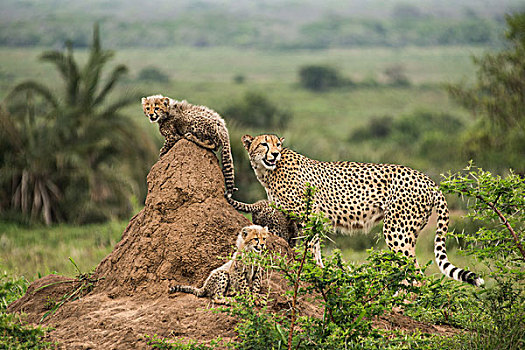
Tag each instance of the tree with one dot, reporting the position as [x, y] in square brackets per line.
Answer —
[319, 78]
[71, 156]
[497, 101]
[256, 110]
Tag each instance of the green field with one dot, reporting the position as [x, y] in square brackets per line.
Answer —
[205, 76]
[38, 251]
[320, 127]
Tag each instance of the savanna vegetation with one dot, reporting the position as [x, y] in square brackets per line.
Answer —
[351, 83]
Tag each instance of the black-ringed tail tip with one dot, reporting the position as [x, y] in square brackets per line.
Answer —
[450, 270]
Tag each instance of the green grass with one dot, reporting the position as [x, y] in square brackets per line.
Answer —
[36, 251]
[219, 64]
[205, 76]
[32, 252]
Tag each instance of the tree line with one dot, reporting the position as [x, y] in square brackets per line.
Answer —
[71, 155]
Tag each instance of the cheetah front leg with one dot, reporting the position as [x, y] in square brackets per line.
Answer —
[168, 143]
[205, 144]
[260, 299]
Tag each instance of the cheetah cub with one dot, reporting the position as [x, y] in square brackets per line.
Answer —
[234, 276]
[199, 124]
[264, 214]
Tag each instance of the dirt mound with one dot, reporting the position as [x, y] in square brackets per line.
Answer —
[185, 225]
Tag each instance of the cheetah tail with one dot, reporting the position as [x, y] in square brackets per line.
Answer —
[227, 168]
[244, 207]
[200, 292]
[440, 250]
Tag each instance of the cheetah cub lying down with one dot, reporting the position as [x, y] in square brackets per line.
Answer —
[199, 124]
[234, 276]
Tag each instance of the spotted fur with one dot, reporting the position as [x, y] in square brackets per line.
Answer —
[357, 196]
[199, 124]
[264, 214]
[234, 276]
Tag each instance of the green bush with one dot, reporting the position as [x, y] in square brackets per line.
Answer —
[319, 78]
[496, 102]
[350, 296]
[396, 75]
[424, 137]
[257, 111]
[14, 333]
[499, 203]
[153, 74]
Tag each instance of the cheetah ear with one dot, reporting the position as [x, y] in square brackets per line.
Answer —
[247, 141]
[282, 140]
[143, 100]
[244, 232]
[166, 101]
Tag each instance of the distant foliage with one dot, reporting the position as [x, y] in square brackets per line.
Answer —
[318, 25]
[424, 136]
[71, 156]
[153, 74]
[239, 78]
[497, 102]
[257, 111]
[319, 78]
[396, 75]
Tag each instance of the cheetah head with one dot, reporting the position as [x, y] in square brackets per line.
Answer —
[252, 238]
[156, 107]
[263, 150]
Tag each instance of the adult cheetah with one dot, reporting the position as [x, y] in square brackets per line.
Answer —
[356, 196]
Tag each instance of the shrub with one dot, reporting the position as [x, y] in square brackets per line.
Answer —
[256, 110]
[499, 203]
[14, 333]
[396, 75]
[319, 78]
[153, 74]
[350, 295]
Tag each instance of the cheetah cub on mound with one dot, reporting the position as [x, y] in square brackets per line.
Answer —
[234, 276]
[199, 124]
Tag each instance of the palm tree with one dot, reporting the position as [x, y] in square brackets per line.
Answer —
[72, 156]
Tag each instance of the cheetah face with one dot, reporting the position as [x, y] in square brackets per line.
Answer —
[253, 238]
[263, 150]
[156, 107]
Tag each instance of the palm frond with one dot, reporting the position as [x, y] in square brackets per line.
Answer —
[122, 102]
[115, 76]
[36, 87]
[92, 71]
[68, 69]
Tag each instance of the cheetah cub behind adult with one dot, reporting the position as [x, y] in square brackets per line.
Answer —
[199, 124]
[234, 276]
[264, 214]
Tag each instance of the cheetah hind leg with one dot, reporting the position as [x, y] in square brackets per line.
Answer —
[222, 282]
[403, 241]
[205, 144]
